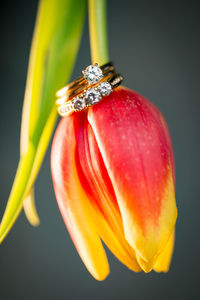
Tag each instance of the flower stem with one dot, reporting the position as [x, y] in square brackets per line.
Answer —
[98, 31]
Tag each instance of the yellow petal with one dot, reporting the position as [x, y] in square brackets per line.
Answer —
[149, 246]
[114, 238]
[146, 265]
[163, 262]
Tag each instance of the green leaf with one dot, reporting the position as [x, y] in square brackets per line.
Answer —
[55, 44]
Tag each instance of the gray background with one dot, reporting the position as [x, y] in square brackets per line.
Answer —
[156, 46]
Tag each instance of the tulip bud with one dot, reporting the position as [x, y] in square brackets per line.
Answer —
[113, 176]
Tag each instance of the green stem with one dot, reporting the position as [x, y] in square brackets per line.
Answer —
[98, 31]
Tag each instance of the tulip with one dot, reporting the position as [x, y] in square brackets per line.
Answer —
[113, 175]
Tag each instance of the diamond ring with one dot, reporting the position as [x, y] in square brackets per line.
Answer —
[89, 89]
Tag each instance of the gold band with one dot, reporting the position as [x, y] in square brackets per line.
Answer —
[66, 109]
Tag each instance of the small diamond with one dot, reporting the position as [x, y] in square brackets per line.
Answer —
[92, 96]
[105, 88]
[93, 74]
[79, 103]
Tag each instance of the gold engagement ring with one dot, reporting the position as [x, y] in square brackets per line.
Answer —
[89, 89]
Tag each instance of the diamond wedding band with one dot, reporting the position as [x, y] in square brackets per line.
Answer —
[88, 90]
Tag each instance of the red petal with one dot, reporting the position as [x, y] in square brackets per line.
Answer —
[78, 214]
[96, 182]
[136, 152]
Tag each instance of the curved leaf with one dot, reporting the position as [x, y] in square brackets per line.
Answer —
[55, 44]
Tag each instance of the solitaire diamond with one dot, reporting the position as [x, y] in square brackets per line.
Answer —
[105, 88]
[93, 74]
[79, 103]
[92, 96]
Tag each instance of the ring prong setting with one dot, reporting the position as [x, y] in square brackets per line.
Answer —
[93, 74]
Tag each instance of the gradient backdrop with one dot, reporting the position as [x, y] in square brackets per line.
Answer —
[156, 46]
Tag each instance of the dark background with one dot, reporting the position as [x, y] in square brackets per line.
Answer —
[156, 46]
